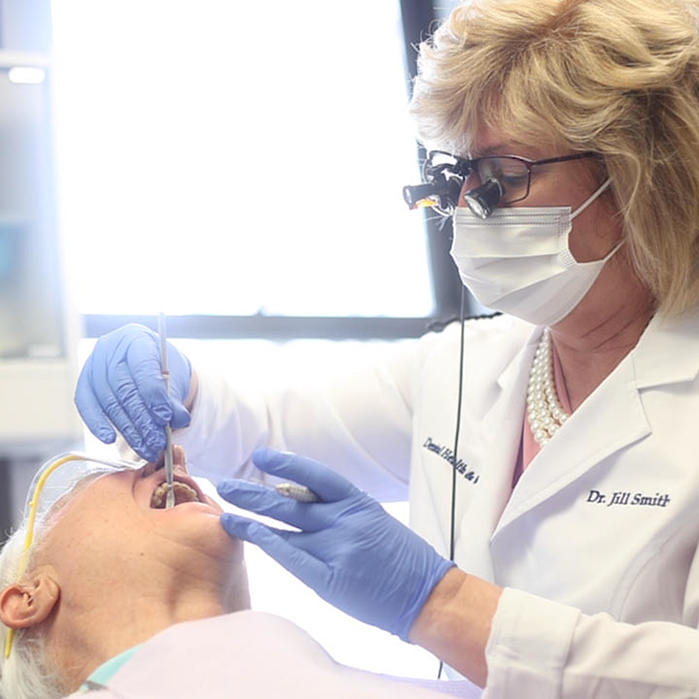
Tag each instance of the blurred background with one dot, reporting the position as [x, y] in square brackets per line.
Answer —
[237, 166]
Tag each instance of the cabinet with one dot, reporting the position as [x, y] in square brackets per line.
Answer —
[38, 336]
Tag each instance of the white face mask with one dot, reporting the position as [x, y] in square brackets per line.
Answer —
[518, 260]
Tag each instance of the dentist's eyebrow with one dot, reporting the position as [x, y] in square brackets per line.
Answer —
[510, 148]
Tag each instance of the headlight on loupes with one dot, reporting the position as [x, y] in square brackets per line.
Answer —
[443, 177]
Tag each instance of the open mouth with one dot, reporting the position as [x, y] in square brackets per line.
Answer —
[183, 493]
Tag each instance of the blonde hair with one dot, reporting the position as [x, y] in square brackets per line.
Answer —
[617, 77]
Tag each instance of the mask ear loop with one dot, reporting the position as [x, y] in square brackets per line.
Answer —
[602, 188]
[598, 192]
[35, 490]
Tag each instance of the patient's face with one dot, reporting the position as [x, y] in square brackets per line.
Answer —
[116, 526]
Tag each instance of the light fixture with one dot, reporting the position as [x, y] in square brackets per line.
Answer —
[26, 75]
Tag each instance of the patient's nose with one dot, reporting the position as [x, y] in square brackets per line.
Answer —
[179, 459]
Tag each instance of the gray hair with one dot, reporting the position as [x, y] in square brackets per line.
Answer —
[28, 672]
[25, 674]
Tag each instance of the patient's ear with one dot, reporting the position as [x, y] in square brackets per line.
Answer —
[29, 602]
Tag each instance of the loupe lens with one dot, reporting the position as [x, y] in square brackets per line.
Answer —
[482, 200]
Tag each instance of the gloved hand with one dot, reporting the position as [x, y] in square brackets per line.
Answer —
[349, 550]
[122, 385]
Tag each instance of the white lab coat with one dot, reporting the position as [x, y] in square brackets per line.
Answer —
[604, 521]
[251, 655]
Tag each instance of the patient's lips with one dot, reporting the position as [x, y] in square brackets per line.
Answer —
[183, 493]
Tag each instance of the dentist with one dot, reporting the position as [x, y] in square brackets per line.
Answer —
[547, 451]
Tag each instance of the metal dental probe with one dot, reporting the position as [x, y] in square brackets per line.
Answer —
[297, 492]
[168, 457]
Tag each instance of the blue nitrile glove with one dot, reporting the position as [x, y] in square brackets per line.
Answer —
[349, 550]
[122, 385]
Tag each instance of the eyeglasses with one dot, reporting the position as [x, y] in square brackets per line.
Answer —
[505, 179]
[41, 498]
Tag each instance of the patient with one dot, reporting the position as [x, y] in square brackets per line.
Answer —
[112, 573]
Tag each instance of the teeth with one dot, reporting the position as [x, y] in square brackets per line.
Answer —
[183, 493]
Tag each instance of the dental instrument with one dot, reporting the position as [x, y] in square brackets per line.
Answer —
[168, 457]
[297, 492]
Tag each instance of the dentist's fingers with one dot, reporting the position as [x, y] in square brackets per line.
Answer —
[328, 484]
[278, 544]
[266, 501]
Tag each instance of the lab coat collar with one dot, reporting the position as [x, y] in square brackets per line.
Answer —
[595, 430]
[656, 357]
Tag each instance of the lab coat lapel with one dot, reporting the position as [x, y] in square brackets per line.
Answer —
[502, 429]
[594, 432]
[612, 417]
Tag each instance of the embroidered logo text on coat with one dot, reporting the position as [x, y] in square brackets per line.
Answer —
[448, 454]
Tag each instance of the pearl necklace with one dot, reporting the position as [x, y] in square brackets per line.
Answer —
[543, 409]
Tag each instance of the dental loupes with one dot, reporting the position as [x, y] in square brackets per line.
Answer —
[168, 457]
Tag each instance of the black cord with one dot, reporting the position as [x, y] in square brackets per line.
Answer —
[457, 430]
[452, 515]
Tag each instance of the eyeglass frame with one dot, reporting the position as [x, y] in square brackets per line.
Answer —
[472, 163]
[442, 176]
